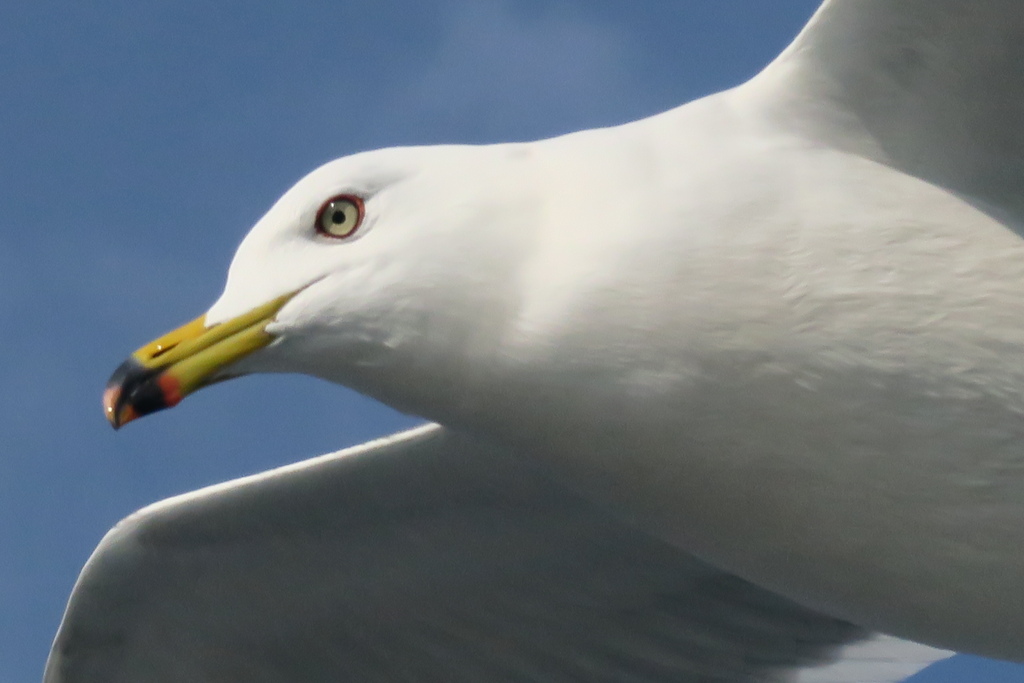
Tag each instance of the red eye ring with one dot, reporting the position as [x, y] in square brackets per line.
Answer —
[339, 217]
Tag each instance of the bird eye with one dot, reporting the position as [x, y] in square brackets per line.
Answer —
[340, 217]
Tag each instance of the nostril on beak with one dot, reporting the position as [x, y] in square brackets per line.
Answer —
[161, 349]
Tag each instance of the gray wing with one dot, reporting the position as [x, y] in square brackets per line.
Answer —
[934, 88]
[429, 557]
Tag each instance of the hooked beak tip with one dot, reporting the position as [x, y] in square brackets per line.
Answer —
[133, 391]
[110, 397]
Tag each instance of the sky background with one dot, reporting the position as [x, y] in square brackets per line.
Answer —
[139, 141]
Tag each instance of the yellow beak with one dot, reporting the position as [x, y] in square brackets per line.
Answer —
[163, 372]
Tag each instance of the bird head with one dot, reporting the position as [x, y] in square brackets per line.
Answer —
[371, 266]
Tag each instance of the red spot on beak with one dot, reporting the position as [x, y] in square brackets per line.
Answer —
[171, 388]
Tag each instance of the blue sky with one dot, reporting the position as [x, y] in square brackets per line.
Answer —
[138, 143]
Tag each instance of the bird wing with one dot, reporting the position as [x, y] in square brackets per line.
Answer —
[934, 88]
[429, 556]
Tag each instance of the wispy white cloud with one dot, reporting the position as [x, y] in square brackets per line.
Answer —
[499, 72]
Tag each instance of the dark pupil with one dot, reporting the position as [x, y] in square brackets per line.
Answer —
[338, 217]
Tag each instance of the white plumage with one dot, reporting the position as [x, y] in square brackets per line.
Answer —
[777, 329]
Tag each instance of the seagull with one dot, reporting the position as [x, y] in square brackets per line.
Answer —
[732, 393]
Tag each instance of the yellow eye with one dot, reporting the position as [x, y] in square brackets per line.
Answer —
[340, 217]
